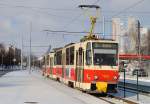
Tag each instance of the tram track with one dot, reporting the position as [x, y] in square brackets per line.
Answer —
[116, 100]
[133, 90]
[141, 88]
[109, 97]
[112, 99]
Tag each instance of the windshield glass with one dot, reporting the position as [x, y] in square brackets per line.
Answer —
[105, 54]
[104, 59]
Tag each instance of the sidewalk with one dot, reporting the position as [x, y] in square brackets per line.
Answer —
[20, 87]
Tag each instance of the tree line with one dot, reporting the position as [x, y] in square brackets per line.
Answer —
[9, 55]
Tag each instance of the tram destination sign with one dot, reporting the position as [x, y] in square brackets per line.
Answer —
[105, 45]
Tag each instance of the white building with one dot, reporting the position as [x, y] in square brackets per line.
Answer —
[145, 38]
[119, 34]
[133, 34]
[116, 28]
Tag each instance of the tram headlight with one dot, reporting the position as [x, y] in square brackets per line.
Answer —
[95, 77]
[115, 77]
[88, 77]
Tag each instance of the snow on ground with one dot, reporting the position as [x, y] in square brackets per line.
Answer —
[19, 87]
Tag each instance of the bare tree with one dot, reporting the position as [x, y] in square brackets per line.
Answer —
[10, 57]
[2, 53]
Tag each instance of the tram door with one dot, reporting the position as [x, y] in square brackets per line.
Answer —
[63, 64]
[79, 65]
[51, 65]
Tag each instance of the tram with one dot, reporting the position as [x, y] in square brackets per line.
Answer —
[90, 65]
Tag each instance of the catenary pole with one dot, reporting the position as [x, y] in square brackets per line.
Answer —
[30, 49]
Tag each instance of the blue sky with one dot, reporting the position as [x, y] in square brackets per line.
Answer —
[16, 16]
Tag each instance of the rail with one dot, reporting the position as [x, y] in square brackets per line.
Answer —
[112, 99]
[131, 86]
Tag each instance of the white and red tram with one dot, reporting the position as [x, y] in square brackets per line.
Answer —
[91, 65]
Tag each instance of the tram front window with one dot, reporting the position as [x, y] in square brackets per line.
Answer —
[104, 53]
[105, 59]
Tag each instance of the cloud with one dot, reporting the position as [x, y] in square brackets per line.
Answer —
[6, 25]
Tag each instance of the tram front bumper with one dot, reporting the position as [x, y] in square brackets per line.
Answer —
[100, 87]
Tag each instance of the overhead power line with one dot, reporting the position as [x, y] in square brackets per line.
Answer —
[135, 12]
[36, 46]
[38, 11]
[96, 2]
[72, 32]
[75, 9]
[33, 7]
[131, 6]
[74, 19]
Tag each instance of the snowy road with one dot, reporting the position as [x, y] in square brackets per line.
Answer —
[20, 87]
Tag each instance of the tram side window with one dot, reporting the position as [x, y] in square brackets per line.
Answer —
[88, 54]
[55, 61]
[51, 61]
[67, 56]
[70, 56]
[88, 57]
[59, 58]
[44, 60]
[47, 60]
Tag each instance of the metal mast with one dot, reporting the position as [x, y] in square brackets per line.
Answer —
[30, 49]
[21, 52]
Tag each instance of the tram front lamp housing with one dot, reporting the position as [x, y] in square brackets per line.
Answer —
[96, 77]
[115, 77]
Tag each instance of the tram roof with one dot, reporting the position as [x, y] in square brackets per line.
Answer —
[101, 40]
[69, 44]
[55, 49]
[51, 52]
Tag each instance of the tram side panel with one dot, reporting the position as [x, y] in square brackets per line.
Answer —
[45, 67]
[52, 66]
[48, 65]
[69, 67]
[58, 64]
